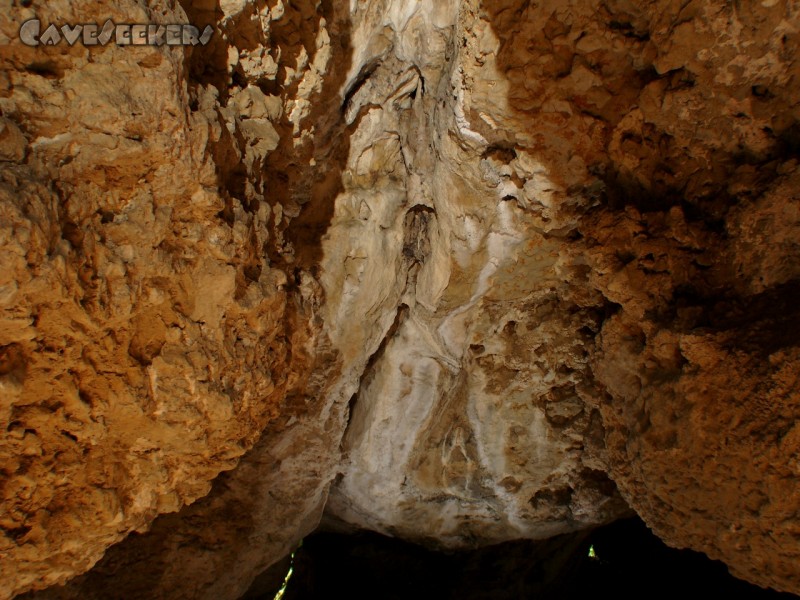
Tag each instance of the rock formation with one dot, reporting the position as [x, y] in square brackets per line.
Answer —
[456, 271]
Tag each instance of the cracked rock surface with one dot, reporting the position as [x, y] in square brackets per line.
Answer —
[459, 272]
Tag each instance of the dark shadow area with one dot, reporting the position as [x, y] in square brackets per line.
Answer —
[630, 562]
[304, 175]
[621, 560]
[368, 565]
[760, 324]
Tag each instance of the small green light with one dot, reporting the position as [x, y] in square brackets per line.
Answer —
[282, 591]
[591, 552]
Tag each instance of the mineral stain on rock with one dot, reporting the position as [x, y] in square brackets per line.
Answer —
[457, 272]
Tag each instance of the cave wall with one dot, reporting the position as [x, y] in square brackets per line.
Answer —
[459, 272]
[147, 338]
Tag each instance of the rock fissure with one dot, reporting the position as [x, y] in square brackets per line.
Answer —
[460, 272]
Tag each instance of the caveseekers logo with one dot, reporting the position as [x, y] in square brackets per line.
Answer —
[91, 34]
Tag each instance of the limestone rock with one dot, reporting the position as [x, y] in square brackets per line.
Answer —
[143, 332]
[460, 272]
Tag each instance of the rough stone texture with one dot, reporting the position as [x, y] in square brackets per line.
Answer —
[145, 339]
[679, 122]
[527, 248]
[474, 421]
[692, 169]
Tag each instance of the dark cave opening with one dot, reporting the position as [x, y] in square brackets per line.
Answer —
[621, 560]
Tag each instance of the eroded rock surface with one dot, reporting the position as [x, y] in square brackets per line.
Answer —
[146, 338]
[460, 272]
[475, 420]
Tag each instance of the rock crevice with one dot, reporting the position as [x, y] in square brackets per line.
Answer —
[459, 272]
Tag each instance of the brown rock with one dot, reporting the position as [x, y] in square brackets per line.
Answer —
[450, 271]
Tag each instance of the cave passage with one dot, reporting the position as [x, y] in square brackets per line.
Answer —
[621, 560]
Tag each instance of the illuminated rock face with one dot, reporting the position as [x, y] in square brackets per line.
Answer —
[476, 419]
[454, 271]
